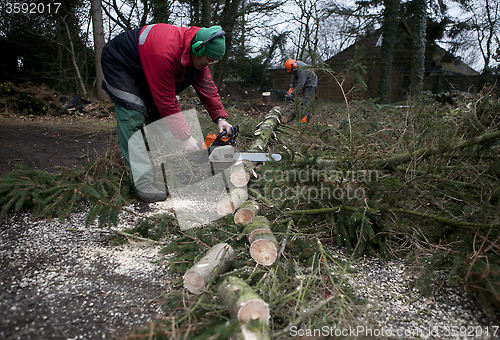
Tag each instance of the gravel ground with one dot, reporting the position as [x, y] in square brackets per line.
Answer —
[400, 310]
[62, 281]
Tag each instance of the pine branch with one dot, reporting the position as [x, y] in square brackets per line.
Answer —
[421, 154]
[461, 224]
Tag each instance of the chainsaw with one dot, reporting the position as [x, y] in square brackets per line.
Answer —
[221, 149]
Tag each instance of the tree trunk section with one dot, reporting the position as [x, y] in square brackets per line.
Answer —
[265, 130]
[239, 177]
[246, 213]
[418, 45]
[241, 301]
[216, 261]
[263, 243]
[99, 43]
[389, 34]
[232, 201]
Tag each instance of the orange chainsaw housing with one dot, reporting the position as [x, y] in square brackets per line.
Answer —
[210, 138]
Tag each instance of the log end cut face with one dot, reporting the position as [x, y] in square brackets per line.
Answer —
[193, 282]
[254, 310]
[264, 252]
[225, 207]
[240, 178]
[232, 201]
[243, 216]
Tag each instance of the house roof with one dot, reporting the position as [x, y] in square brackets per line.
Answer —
[436, 58]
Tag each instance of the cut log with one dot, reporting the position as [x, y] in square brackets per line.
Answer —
[216, 261]
[264, 249]
[241, 301]
[288, 111]
[263, 244]
[239, 177]
[232, 201]
[258, 224]
[246, 213]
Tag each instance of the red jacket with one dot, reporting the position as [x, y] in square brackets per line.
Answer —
[165, 53]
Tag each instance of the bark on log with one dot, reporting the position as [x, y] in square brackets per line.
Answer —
[257, 225]
[246, 213]
[216, 261]
[263, 244]
[229, 203]
[241, 301]
[265, 130]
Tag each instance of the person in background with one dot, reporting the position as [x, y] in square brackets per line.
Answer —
[144, 69]
[303, 79]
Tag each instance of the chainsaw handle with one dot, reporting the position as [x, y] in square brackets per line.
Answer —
[217, 140]
[235, 130]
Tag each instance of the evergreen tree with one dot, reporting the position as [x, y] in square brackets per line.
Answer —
[418, 45]
[162, 10]
[389, 37]
[35, 47]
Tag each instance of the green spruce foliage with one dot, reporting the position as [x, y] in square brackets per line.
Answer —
[331, 200]
[60, 194]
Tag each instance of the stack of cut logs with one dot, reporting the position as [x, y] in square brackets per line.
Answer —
[241, 301]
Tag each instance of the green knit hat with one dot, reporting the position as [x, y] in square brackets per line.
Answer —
[216, 48]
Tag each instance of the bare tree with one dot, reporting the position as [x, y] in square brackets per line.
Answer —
[71, 49]
[99, 42]
[479, 32]
[128, 14]
[229, 14]
[306, 38]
